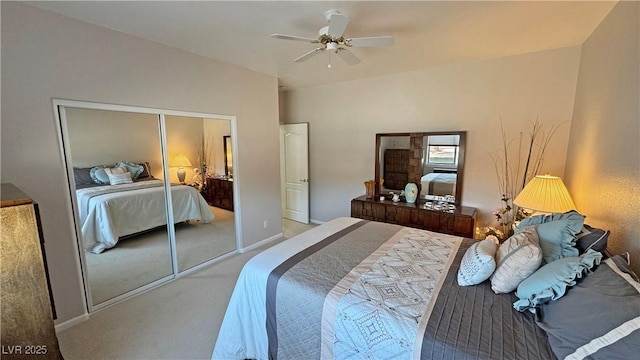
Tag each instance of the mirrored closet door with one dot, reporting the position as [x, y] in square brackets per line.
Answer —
[195, 149]
[132, 171]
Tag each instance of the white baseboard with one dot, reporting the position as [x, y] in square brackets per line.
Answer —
[261, 243]
[317, 222]
[72, 322]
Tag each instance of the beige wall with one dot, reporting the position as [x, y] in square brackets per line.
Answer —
[603, 160]
[47, 56]
[215, 130]
[344, 118]
[183, 134]
[96, 138]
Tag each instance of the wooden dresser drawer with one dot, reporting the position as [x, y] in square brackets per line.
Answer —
[460, 221]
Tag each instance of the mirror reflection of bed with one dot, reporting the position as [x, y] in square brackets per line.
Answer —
[124, 233]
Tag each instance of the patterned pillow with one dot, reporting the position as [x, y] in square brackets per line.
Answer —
[556, 232]
[117, 179]
[478, 263]
[115, 170]
[517, 258]
[133, 168]
[550, 282]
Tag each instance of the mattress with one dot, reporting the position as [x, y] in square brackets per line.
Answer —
[110, 212]
[439, 184]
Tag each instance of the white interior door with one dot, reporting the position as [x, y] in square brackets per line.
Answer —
[294, 171]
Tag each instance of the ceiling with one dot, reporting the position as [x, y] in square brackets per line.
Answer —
[426, 33]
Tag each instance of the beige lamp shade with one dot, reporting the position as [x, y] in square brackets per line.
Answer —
[545, 193]
[181, 160]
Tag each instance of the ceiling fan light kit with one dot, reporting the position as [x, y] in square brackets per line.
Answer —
[332, 40]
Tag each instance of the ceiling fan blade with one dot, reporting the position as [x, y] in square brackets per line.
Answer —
[347, 56]
[296, 38]
[337, 25]
[370, 41]
[309, 54]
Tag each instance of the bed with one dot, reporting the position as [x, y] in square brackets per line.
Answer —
[439, 184]
[370, 290]
[358, 289]
[110, 212]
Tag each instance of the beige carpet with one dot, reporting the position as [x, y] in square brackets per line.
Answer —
[179, 320]
[145, 258]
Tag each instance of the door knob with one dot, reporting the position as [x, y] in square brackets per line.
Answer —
[304, 180]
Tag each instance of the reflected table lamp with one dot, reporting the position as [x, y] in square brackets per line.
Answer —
[181, 161]
[545, 194]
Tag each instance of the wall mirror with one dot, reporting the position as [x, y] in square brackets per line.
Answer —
[139, 197]
[432, 160]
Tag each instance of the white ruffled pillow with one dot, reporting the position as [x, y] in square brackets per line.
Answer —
[517, 258]
[478, 262]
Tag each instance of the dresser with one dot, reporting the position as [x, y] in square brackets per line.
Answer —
[459, 221]
[219, 193]
[27, 306]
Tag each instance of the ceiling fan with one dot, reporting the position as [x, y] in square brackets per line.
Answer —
[332, 39]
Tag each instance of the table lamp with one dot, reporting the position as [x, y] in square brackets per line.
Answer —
[181, 161]
[545, 194]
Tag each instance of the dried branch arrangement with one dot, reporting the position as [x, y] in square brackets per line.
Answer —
[514, 168]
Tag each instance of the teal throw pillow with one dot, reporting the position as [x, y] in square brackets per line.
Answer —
[550, 282]
[557, 233]
[99, 175]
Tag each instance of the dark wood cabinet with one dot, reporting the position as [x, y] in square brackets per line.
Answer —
[219, 193]
[459, 221]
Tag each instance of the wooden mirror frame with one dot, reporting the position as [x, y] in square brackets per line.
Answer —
[228, 162]
[415, 172]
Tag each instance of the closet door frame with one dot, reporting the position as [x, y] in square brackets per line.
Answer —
[59, 106]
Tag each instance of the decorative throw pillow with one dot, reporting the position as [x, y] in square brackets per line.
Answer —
[478, 263]
[592, 238]
[115, 170]
[133, 168]
[98, 175]
[517, 258]
[117, 179]
[557, 233]
[598, 318]
[551, 281]
[146, 170]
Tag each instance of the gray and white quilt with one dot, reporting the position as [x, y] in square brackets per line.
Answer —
[356, 289]
[110, 212]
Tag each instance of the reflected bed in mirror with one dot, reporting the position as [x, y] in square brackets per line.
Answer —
[432, 160]
[122, 226]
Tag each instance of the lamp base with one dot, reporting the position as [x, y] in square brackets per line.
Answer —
[181, 175]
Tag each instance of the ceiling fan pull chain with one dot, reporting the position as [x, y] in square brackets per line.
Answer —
[329, 65]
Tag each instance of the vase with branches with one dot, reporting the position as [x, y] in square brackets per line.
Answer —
[519, 160]
[205, 150]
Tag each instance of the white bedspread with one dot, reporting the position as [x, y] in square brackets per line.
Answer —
[110, 212]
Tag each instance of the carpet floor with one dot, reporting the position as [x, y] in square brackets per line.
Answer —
[145, 258]
[179, 320]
